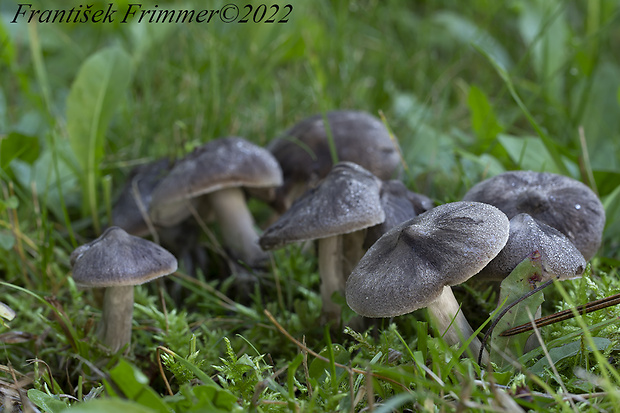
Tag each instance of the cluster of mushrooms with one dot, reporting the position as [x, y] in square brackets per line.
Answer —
[389, 250]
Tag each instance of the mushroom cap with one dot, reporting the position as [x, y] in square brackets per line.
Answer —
[559, 201]
[125, 213]
[399, 205]
[408, 267]
[560, 258]
[303, 150]
[221, 163]
[347, 200]
[118, 259]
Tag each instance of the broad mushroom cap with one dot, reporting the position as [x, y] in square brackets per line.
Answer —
[560, 258]
[559, 201]
[304, 155]
[347, 200]
[219, 164]
[119, 259]
[409, 266]
[144, 178]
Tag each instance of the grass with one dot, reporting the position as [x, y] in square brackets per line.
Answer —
[469, 90]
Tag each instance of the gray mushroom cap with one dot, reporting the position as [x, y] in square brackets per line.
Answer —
[399, 205]
[125, 213]
[346, 201]
[303, 150]
[119, 259]
[408, 267]
[221, 163]
[560, 257]
[559, 201]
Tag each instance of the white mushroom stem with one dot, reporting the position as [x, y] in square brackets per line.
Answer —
[115, 326]
[445, 309]
[237, 224]
[338, 255]
[352, 251]
[330, 271]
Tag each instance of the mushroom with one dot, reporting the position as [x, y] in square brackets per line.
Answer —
[131, 209]
[559, 257]
[344, 203]
[556, 200]
[399, 205]
[217, 171]
[132, 205]
[117, 261]
[414, 264]
[303, 151]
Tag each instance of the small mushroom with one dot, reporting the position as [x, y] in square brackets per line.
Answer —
[560, 258]
[556, 200]
[130, 212]
[414, 264]
[303, 151]
[117, 261]
[218, 171]
[344, 203]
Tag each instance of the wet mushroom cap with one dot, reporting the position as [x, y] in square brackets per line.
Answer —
[219, 164]
[408, 267]
[560, 257]
[119, 259]
[346, 201]
[559, 201]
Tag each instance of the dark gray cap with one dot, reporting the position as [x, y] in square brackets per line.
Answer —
[408, 267]
[144, 178]
[221, 163]
[304, 155]
[119, 259]
[347, 200]
[560, 258]
[559, 201]
[399, 205]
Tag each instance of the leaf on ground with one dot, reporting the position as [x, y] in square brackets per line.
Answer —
[48, 403]
[521, 280]
[567, 350]
[203, 398]
[107, 406]
[134, 385]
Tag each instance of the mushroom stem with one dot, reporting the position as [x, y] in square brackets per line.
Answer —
[445, 309]
[115, 326]
[331, 273]
[352, 251]
[237, 225]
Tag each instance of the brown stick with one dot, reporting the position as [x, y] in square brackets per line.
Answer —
[564, 315]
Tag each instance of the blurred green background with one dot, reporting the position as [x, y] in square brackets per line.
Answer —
[470, 89]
